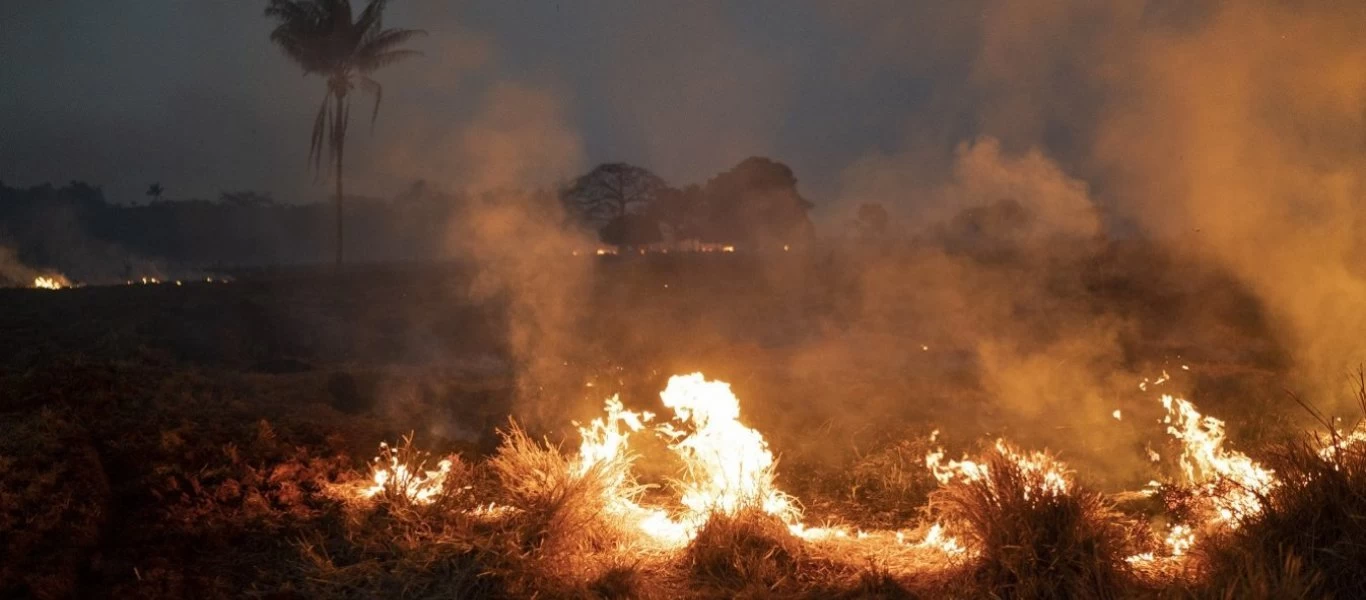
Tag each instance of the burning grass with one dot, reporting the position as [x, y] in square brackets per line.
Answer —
[526, 522]
[534, 519]
[1308, 539]
[541, 519]
[1033, 532]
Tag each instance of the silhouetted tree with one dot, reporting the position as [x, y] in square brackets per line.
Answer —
[155, 191]
[323, 38]
[631, 231]
[613, 190]
[756, 203]
[680, 211]
[872, 220]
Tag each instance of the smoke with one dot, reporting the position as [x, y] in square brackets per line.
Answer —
[1239, 140]
[981, 174]
[517, 237]
[14, 273]
[997, 291]
[1133, 161]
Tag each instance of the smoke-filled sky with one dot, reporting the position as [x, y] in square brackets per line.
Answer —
[192, 94]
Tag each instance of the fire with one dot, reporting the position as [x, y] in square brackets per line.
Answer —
[729, 464]
[604, 440]
[399, 471]
[1206, 463]
[1055, 480]
[1340, 442]
[55, 282]
[1180, 539]
[937, 539]
[728, 467]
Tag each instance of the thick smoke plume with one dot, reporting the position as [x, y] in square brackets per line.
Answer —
[1238, 138]
[1140, 168]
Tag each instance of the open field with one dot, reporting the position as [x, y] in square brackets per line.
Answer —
[210, 439]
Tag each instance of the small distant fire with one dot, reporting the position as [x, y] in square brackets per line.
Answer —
[690, 246]
[55, 282]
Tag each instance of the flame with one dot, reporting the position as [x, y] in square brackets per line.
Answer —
[936, 538]
[1206, 463]
[56, 282]
[729, 465]
[1341, 441]
[1180, 539]
[604, 440]
[391, 472]
[1055, 480]
[728, 468]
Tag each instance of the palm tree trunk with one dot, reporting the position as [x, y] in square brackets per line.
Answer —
[339, 137]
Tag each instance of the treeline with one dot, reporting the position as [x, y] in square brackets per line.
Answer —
[76, 229]
[753, 205]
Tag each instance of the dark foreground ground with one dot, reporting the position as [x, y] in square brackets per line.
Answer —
[174, 441]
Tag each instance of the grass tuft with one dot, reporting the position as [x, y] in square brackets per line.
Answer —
[1033, 540]
[750, 552]
[1309, 540]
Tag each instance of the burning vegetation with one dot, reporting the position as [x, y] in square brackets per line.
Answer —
[1010, 522]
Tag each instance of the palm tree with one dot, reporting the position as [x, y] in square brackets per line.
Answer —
[323, 38]
[155, 191]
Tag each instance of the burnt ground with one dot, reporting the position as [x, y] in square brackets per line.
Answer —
[171, 441]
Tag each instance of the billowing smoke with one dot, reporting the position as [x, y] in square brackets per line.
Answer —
[1238, 138]
[998, 286]
[1140, 168]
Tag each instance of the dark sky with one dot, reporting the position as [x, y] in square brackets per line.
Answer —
[191, 93]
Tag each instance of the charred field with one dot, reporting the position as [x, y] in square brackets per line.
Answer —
[219, 440]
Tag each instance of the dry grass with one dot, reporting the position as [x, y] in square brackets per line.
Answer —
[749, 553]
[560, 507]
[245, 501]
[53, 505]
[548, 534]
[1032, 542]
[1309, 541]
